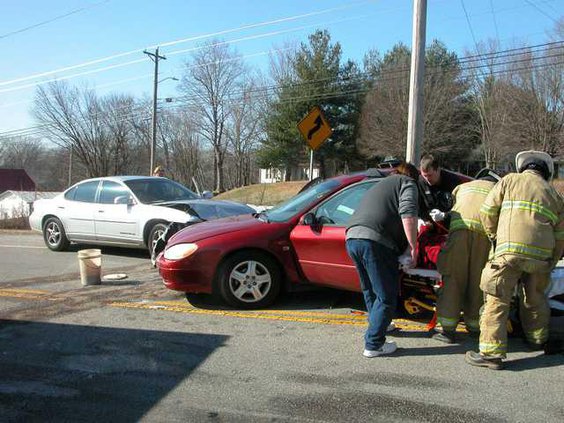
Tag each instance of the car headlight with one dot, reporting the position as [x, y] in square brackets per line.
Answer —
[180, 251]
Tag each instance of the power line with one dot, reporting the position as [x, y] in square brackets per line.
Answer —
[184, 40]
[131, 62]
[542, 12]
[469, 23]
[386, 76]
[56, 18]
[494, 20]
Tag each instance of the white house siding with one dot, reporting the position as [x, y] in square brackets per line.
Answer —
[272, 175]
[19, 203]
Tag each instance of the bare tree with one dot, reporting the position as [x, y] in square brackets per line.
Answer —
[180, 143]
[91, 127]
[491, 100]
[243, 131]
[383, 124]
[210, 78]
[538, 110]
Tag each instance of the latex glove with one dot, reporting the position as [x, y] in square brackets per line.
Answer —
[437, 215]
[406, 260]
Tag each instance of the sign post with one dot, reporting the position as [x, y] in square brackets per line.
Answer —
[315, 129]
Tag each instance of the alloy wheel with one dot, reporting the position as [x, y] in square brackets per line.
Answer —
[250, 281]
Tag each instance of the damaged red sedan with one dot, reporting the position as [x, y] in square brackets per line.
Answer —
[247, 260]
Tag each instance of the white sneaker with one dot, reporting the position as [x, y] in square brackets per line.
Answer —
[391, 327]
[387, 348]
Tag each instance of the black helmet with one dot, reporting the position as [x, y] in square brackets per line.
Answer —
[488, 175]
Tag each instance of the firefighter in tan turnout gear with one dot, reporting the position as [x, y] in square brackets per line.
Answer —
[462, 259]
[523, 215]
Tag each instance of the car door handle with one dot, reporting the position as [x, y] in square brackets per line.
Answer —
[60, 207]
[100, 211]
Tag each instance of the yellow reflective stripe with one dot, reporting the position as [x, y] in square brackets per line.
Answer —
[464, 223]
[493, 348]
[531, 207]
[490, 210]
[537, 336]
[476, 190]
[524, 249]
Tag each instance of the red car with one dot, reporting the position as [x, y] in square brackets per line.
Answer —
[248, 259]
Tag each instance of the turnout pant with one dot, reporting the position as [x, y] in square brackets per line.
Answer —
[460, 263]
[499, 279]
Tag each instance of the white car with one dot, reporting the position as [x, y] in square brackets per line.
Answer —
[124, 211]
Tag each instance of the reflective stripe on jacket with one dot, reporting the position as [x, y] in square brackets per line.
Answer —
[524, 214]
[468, 199]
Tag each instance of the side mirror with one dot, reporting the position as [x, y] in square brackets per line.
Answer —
[309, 219]
[122, 199]
[207, 195]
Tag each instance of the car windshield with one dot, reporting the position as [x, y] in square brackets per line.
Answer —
[301, 201]
[158, 190]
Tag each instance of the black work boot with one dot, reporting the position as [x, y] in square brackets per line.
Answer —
[446, 336]
[476, 359]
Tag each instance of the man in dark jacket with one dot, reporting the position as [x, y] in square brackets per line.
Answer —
[381, 228]
[436, 188]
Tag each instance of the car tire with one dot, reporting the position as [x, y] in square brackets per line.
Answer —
[156, 231]
[54, 235]
[249, 280]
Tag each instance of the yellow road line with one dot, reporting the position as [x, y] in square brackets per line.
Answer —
[280, 315]
[23, 293]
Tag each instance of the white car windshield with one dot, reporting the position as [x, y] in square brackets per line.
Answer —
[159, 190]
[301, 201]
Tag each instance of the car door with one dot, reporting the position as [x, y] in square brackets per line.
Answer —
[115, 218]
[77, 211]
[320, 247]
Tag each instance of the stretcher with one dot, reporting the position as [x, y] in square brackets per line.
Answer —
[419, 285]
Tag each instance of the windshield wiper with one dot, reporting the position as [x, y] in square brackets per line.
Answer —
[261, 216]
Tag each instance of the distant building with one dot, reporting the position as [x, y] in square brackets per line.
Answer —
[20, 203]
[299, 173]
[15, 180]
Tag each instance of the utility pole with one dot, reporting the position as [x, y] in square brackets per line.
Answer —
[416, 83]
[70, 167]
[155, 58]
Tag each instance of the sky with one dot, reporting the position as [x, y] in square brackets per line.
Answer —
[100, 43]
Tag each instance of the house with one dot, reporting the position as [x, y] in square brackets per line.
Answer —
[15, 180]
[20, 203]
[300, 173]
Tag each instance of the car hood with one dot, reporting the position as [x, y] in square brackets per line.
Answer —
[209, 209]
[214, 228]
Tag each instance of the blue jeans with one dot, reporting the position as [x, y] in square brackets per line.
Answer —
[378, 270]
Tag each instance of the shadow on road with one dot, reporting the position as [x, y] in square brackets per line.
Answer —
[59, 372]
[114, 251]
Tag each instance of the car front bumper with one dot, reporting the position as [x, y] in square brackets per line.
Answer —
[185, 275]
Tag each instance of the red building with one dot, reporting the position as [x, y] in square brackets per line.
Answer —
[15, 180]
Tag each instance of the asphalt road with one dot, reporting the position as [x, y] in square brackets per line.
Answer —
[23, 255]
[134, 351]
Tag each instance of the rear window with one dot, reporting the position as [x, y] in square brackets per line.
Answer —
[86, 192]
[69, 195]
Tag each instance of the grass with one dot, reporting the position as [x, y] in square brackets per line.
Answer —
[263, 194]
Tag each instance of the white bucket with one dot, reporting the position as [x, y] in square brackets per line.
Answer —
[90, 262]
